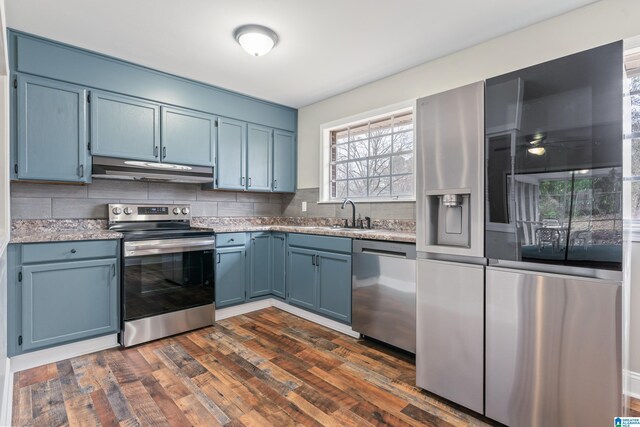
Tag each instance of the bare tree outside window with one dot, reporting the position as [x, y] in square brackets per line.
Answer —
[373, 159]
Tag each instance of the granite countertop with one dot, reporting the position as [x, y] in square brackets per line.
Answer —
[374, 234]
[33, 231]
[50, 230]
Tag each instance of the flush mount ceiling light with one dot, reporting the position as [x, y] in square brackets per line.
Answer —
[538, 151]
[256, 39]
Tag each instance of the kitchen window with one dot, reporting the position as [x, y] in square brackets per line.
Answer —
[371, 159]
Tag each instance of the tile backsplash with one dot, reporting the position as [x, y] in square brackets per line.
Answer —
[62, 201]
[65, 201]
[292, 206]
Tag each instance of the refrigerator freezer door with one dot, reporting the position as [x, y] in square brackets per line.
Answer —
[450, 331]
[553, 349]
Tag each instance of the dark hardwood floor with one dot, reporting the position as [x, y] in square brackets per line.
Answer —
[264, 368]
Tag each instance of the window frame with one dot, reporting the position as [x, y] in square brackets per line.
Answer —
[371, 115]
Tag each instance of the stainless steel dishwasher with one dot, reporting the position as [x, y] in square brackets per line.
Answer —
[384, 292]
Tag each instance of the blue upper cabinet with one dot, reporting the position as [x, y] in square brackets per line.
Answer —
[284, 161]
[34, 55]
[124, 127]
[259, 151]
[141, 114]
[188, 137]
[231, 146]
[52, 131]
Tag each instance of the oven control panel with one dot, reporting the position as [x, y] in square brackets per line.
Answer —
[119, 212]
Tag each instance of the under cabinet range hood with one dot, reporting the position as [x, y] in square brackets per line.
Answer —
[136, 170]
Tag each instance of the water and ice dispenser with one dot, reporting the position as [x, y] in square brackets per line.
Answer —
[449, 214]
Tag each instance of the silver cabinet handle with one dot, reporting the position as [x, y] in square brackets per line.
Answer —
[313, 260]
[81, 171]
[164, 152]
[113, 270]
[249, 181]
[275, 183]
[218, 257]
[318, 260]
[242, 181]
[155, 151]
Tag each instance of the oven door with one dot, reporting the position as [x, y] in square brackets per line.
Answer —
[167, 275]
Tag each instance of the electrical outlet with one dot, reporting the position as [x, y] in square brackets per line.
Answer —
[304, 206]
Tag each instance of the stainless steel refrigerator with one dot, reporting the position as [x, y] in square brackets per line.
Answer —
[554, 242]
[450, 245]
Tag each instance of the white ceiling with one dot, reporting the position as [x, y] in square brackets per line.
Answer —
[326, 46]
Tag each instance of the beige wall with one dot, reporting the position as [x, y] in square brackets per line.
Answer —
[599, 23]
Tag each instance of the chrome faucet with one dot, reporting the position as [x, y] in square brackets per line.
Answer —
[353, 211]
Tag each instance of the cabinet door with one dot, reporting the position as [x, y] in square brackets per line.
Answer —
[230, 276]
[52, 131]
[124, 127]
[284, 161]
[67, 301]
[334, 285]
[278, 264]
[302, 278]
[188, 137]
[259, 158]
[260, 259]
[230, 161]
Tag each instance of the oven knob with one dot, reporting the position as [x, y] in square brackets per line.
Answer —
[116, 211]
[176, 211]
[185, 211]
[128, 211]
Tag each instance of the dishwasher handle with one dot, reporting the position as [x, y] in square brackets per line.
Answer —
[386, 249]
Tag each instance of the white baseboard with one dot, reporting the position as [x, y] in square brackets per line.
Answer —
[62, 352]
[238, 310]
[633, 384]
[6, 405]
[331, 324]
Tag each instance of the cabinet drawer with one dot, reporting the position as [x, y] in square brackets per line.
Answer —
[321, 243]
[66, 251]
[230, 239]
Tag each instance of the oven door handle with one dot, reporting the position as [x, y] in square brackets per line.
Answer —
[168, 246]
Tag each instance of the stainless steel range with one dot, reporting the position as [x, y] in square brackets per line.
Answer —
[167, 271]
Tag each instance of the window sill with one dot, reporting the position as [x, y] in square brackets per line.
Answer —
[356, 201]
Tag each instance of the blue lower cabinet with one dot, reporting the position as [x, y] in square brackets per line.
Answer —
[259, 283]
[334, 285]
[302, 278]
[320, 280]
[68, 301]
[230, 276]
[278, 264]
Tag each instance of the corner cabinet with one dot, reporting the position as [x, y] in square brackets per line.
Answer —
[319, 275]
[61, 293]
[278, 264]
[260, 265]
[52, 141]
